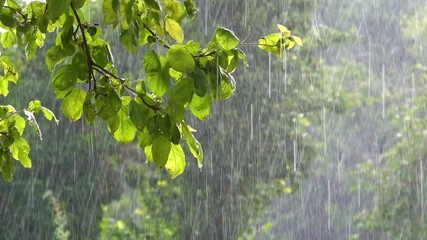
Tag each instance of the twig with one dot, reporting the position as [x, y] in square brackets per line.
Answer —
[86, 47]
[163, 42]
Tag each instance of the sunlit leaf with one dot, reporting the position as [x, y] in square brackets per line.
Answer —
[57, 8]
[54, 55]
[72, 106]
[180, 59]
[176, 161]
[49, 115]
[7, 39]
[126, 130]
[153, 4]
[174, 29]
[226, 38]
[161, 150]
[20, 150]
[194, 145]
[175, 10]
[159, 82]
[201, 106]
[63, 81]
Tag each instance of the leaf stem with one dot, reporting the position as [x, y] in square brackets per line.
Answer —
[86, 48]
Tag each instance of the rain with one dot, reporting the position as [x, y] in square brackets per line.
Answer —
[327, 141]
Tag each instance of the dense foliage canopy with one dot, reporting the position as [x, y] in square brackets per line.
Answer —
[180, 76]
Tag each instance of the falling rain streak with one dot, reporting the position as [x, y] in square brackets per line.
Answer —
[324, 142]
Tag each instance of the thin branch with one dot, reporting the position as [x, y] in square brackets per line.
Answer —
[85, 46]
[162, 41]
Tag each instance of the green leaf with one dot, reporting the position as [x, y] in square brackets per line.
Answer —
[159, 82]
[129, 40]
[56, 8]
[7, 166]
[180, 59]
[10, 73]
[284, 30]
[33, 122]
[4, 87]
[20, 124]
[179, 97]
[20, 150]
[7, 39]
[72, 106]
[297, 40]
[226, 38]
[151, 63]
[153, 4]
[89, 111]
[35, 106]
[174, 29]
[80, 64]
[109, 105]
[63, 81]
[126, 10]
[160, 150]
[194, 145]
[78, 3]
[190, 8]
[126, 131]
[49, 115]
[138, 114]
[54, 55]
[201, 106]
[228, 85]
[110, 9]
[272, 43]
[175, 10]
[176, 161]
[14, 5]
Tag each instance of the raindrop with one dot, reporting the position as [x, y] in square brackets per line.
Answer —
[269, 75]
[383, 95]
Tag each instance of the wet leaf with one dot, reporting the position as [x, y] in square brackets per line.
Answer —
[226, 38]
[176, 161]
[180, 59]
[72, 106]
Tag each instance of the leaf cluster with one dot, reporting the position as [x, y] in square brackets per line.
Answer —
[185, 78]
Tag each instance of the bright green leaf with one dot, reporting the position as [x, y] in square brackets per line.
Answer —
[194, 145]
[63, 81]
[176, 161]
[174, 29]
[56, 8]
[180, 59]
[126, 130]
[226, 38]
[160, 150]
[175, 10]
[153, 4]
[297, 40]
[109, 105]
[4, 87]
[151, 62]
[49, 115]
[72, 106]
[20, 150]
[201, 106]
[159, 82]
[54, 55]
[7, 39]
